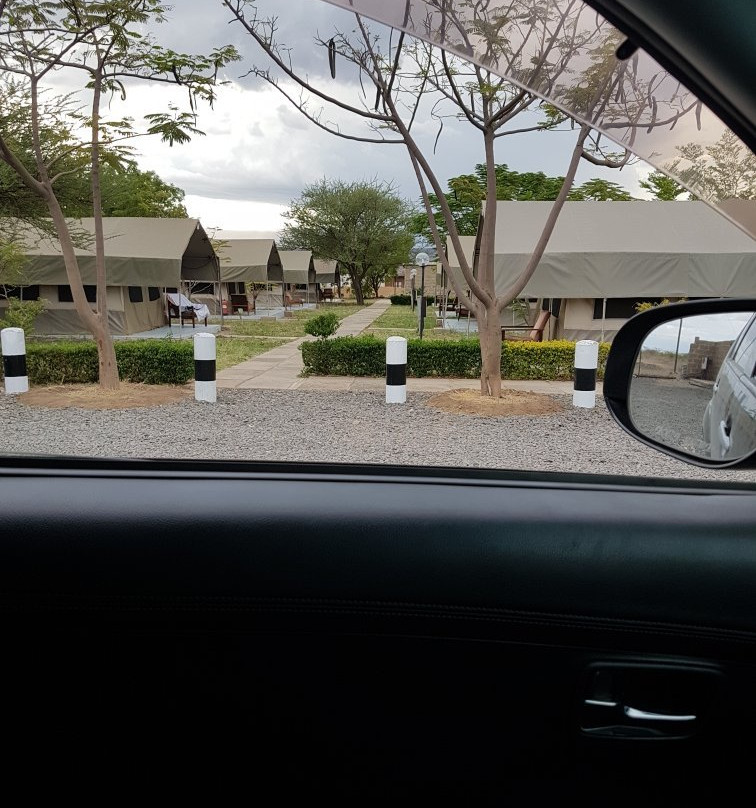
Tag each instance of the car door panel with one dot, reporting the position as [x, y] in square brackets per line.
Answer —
[378, 624]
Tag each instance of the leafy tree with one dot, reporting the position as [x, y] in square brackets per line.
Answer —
[535, 41]
[363, 226]
[103, 41]
[468, 191]
[724, 170]
[600, 190]
[662, 187]
[128, 191]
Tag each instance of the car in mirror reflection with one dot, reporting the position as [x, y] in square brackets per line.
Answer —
[693, 387]
[729, 423]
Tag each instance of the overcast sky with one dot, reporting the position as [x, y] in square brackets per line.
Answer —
[709, 327]
[259, 151]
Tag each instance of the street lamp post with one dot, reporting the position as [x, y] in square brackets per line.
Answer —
[423, 259]
[413, 273]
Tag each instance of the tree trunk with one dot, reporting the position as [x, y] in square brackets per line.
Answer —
[489, 331]
[105, 347]
[357, 286]
[106, 357]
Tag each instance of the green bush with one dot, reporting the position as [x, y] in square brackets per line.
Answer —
[22, 314]
[323, 326]
[366, 356]
[406, 300]
[140, 361]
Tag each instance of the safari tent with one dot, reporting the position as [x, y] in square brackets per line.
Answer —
[244, 261]
[604, 257]
[143, 258]
[299, 273]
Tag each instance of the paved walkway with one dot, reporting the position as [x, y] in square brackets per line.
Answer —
[280, 369]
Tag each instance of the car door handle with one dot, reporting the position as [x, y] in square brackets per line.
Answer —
[725, 427]
[644, 715]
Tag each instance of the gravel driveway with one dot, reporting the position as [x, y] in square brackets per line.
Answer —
[671, 411]
[342, 427]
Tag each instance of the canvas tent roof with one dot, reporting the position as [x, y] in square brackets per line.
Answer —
[325, 270]
[255, 260]
[623, 249]
[138, 251]
[298, 266]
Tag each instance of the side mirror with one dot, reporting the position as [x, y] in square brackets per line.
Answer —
[682, 379]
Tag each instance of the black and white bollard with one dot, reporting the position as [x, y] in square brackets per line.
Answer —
[204, 368]
[396, 370]
[586, 362]
[14, 360]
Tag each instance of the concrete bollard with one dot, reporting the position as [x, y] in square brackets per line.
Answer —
[586, 362]
[204, 368]
[396, 370]
[14, 360]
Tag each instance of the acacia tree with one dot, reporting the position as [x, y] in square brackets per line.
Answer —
[534, 42]
[364, 226]
[103, 42]
[468, 191]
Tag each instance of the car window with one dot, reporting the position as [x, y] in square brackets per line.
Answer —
[745, 353]
[357, 247]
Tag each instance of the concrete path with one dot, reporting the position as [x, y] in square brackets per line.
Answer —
[280, 369]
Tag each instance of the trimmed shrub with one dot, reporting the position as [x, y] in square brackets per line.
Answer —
[140, 361]
[366, 356]
[323, 326]
[406, 300]
[155, 361]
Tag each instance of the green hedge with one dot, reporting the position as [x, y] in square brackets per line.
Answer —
[147, 361]
[366, 356]
[406, 300]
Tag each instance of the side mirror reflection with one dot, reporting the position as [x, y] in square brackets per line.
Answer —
[693, 387]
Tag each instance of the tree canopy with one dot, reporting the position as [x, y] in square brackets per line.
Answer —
[364, 226]
[662, 187]
[467, 192]
[724, 170]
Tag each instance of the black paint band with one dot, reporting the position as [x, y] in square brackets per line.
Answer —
[396, 374]
[204, 370]
[585, 378]
[14, 365]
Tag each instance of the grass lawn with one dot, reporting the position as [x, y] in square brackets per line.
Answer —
[290, 326]
[232, 351]
[401, 321]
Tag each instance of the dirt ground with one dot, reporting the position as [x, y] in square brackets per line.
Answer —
[92, 397]
[512, 402]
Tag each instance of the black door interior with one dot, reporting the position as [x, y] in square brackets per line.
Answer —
[544, 636]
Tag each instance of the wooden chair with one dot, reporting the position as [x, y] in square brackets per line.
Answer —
[185, 314]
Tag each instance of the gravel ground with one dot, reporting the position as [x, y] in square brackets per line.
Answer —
[343, 427]
[672, 411]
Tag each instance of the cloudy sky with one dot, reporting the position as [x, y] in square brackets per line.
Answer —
[259, 151]
[709, 327]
